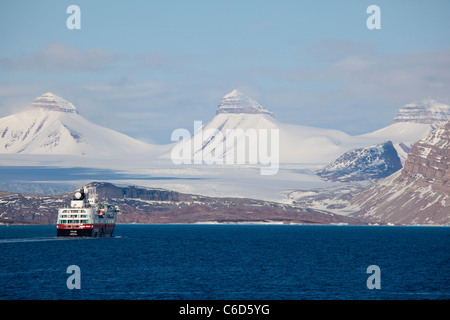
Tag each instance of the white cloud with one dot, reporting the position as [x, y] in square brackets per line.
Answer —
[58, 57]
[363, 75]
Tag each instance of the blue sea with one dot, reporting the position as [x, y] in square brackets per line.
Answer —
[227, 262]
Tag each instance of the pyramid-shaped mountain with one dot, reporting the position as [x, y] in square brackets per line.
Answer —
[52, 125]
[236, 102]
[241, 122]
[426, 111]
[50, 101]
[412, 122]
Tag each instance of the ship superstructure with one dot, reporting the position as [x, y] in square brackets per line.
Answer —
[86, 216]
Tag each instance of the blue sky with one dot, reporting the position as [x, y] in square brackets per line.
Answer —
[146, 68]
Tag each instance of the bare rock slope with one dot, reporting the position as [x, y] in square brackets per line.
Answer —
[420, 192]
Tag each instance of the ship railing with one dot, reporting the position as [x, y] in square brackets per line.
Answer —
[68, 206]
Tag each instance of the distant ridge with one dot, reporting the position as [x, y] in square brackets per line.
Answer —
[155, 205]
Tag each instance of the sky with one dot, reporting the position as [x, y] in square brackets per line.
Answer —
[145, 68]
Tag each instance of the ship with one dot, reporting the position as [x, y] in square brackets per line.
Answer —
[86, 216]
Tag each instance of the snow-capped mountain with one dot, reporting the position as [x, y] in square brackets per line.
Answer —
[413, 122]
[420, 192]
[239, 115]
[426, 111]
[366, 163]
[52, 125]
[236, 102]
[243, 126]
[50, 101]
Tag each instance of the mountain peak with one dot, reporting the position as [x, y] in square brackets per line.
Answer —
[234, 93]
[426, 111]
[372, 162]
[52, 102]
[236, 102]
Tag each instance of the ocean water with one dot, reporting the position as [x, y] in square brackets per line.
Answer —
[227, 262]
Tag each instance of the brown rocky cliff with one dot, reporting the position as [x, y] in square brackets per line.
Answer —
[419, 193]
[430, 158]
